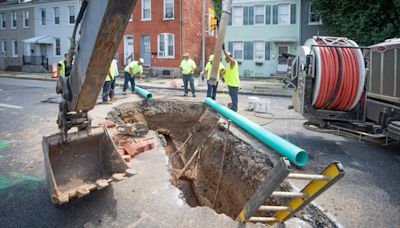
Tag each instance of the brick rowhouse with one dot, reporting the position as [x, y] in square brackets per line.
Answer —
[187, 35]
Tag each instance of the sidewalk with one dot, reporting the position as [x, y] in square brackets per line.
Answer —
[260, 87]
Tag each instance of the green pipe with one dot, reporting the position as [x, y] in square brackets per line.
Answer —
[287, 149]
[142, 92]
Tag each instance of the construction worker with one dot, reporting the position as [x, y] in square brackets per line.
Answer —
[114, 65]
[231, 78]
[131, 70]
[63, 69]
[107, 87]
[187, 67]
[212, 89]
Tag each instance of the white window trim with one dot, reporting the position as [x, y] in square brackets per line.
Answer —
[131, 18]
[254, 19]
[263, 52]
[289, 14]
[173, 11]
[309, 16]
[141, 12]
[12, 20]
[41, 18]
[24, 18]
[158, 46]
[55, 47]
[54, 16]
[233, 16]
[233, 50]
[3, 18]
[13, 50]
[69, 15]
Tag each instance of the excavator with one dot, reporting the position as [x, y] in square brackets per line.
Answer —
[80, 159]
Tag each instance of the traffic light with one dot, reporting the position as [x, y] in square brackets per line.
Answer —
[213, 22]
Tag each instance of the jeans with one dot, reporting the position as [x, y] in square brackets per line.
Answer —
[233, 93]
[188, 78]
[112, 90]
[212, 90]
[106, 91]
[128, 78]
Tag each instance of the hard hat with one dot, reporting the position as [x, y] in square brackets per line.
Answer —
[211, 58]
[229, 54]
[186, 55]
[141, 60]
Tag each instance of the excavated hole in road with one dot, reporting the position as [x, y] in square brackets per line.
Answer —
[245, 166]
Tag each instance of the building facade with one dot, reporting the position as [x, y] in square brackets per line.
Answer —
[259, 31]
[160, 31]
[311, 25]
[35, 34]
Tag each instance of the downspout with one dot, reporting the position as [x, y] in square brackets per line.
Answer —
[180, 31]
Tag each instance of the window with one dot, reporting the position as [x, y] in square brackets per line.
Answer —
[168, 9]
[237, 50]
[14, 20]
[267, 50]
[2, 20]
[313, 19]
[43, 17]
[56, 15]
[293, 14]
[237, 18]
[131, 18]
[259, 15]
[248, 15]
[58, 47]
[71, 14]
[283, 14]
[166, 45]
[146, 9]
[259, 51]
[25, 17]
[14, 48]
[3, 48]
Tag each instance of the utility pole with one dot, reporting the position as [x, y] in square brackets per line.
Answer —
[203, 50]
[223, 24]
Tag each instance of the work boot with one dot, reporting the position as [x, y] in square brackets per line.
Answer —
[123, 93]
[185, 95]
[194, 95]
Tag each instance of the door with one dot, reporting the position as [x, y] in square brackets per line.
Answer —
[128, 49]
[282, 61]
[145, 50]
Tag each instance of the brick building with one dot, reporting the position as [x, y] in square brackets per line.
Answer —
[161, 31]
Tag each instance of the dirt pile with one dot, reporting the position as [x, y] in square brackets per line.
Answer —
[189, 127]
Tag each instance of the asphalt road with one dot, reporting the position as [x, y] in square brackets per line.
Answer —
[368, 195]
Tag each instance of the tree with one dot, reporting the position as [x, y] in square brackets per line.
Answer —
[218, 8]
[366, 22]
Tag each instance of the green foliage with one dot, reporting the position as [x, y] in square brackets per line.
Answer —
[218, 8]
[366, 22]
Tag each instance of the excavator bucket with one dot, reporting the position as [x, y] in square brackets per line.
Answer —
[83, 164]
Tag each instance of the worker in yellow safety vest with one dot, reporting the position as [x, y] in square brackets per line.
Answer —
[212, 89]
[231, 79]
[63, 69]
[107, 86]
[131, 70]
[187, 67]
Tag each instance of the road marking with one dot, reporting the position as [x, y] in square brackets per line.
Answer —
[11, 106]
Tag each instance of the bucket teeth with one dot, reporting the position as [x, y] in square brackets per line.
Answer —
[118, 176]
[130, 172]
[63, 199]
[82, 191]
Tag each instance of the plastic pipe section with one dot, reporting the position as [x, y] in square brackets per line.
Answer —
[285, 148]
[143, 92]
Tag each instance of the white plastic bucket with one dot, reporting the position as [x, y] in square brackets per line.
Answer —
[252, 102]
[262, 106]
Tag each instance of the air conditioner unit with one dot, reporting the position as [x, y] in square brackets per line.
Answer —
[161, 53]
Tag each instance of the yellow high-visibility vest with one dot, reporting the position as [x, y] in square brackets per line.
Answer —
[232, 75]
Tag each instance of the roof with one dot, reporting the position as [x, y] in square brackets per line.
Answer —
[40, 40]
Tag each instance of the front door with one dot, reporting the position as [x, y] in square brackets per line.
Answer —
[128, 49]
[282, 61]
[145, 50]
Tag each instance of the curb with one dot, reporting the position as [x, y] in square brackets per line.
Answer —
[28, 78]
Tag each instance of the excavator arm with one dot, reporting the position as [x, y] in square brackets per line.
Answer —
[102, 25]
